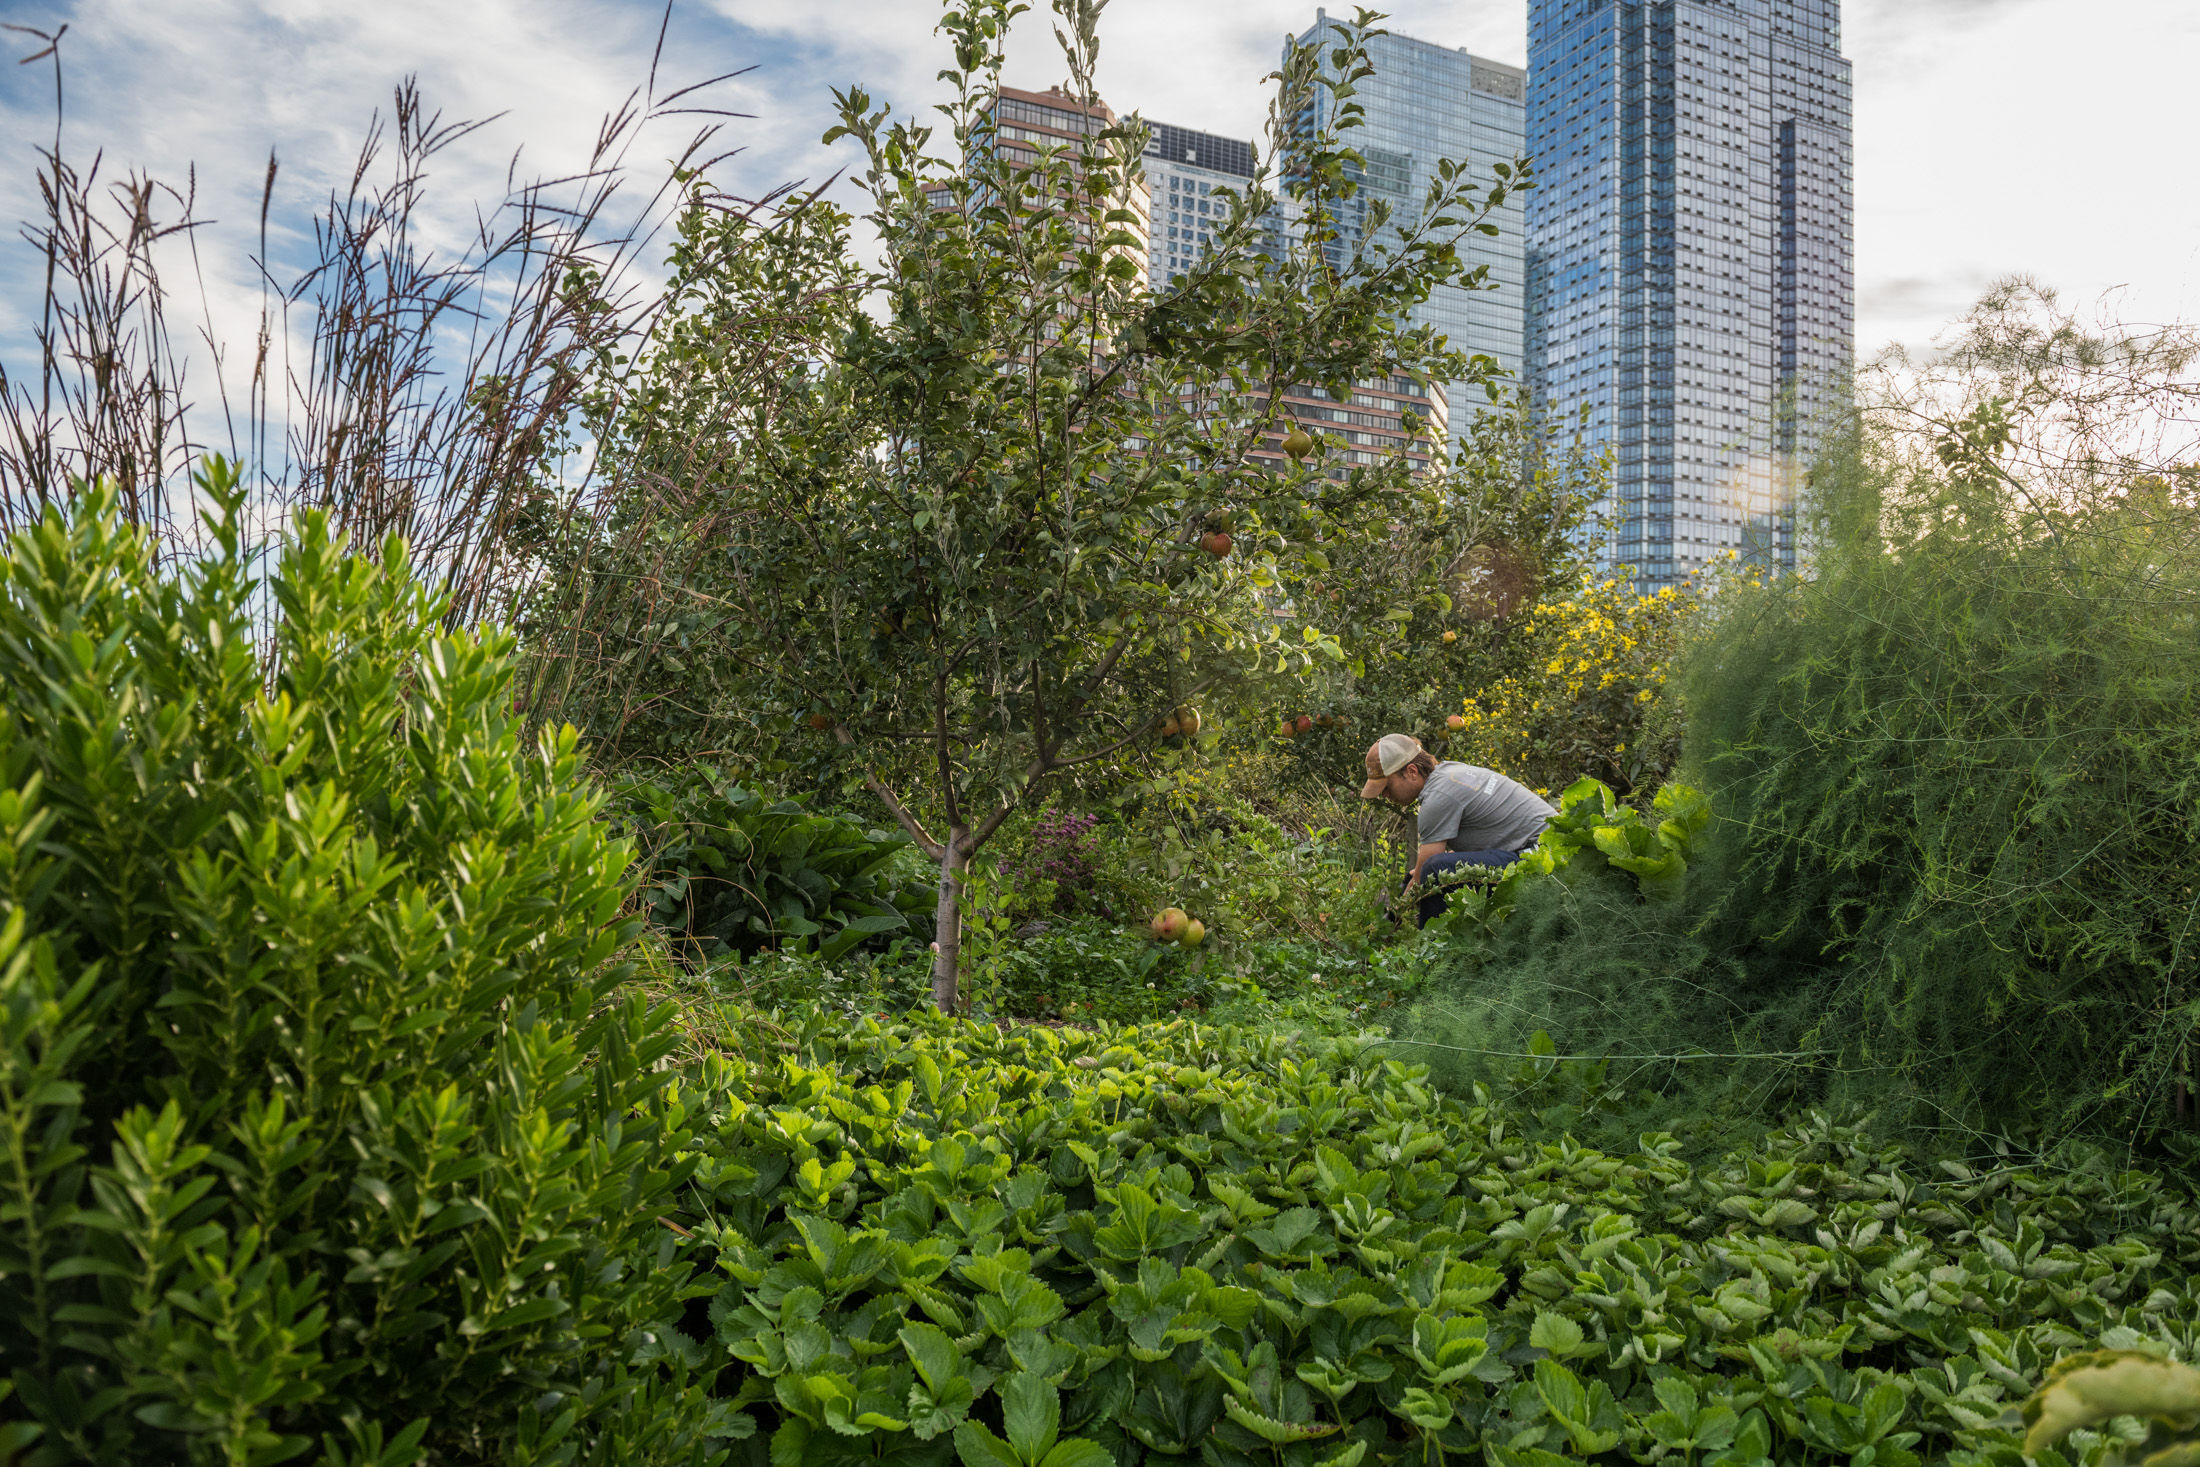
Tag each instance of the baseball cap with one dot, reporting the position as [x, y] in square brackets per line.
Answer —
[1388, 755]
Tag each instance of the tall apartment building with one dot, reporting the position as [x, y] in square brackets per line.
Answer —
[1026, 124]
[1184, 167]
[1690, 277]
[1426, 103]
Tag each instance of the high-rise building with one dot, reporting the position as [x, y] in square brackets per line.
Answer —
[1690, 278]
[1025, 125]
[1184, 168]
[1426, 103]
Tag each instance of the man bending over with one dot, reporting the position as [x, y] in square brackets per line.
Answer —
[1469, 816]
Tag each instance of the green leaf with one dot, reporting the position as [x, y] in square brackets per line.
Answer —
[1554, 1332]
[1031, 1414]
[978, 1447]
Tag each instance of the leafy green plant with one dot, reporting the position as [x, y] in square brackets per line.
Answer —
[1593, 831]
[323, 1126]
[1243, 1249]
[2100, 1385]
[723, 869]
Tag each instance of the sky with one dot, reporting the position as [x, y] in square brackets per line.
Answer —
[1992, 136]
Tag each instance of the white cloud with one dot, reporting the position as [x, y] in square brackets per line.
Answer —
[1992, 135]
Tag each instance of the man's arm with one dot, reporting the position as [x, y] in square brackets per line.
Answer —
[1421, 858]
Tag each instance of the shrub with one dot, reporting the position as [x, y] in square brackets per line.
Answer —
[1062, 853]
[725, 870]
[1590, 700]
[322, 1130]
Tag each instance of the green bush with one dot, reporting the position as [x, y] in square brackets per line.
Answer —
[1184, 1243]
[322, 1128]
[1956, 769]
[1959, 769]
[723, 869]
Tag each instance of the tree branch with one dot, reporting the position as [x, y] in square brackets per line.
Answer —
[893, 804]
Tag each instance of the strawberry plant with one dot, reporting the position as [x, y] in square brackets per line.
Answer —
[1259, 1249]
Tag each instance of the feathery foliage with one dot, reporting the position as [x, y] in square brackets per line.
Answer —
[1955, 770]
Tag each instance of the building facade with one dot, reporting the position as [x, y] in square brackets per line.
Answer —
[1184, 168]
[1026, 125]
[1690, 284]
[1426, 103]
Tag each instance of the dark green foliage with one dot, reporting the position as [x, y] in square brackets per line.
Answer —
[1961, 781]
[1193, 1244]
[724, 869]
[1956, 772]
[319, 1128]
[1085, 970]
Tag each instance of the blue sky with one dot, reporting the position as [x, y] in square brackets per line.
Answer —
[1993, 135]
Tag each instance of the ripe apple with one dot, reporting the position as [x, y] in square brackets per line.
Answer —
[1288, 729]
[1451, 636]
[1187, 722]
[1306, 721]
[821, 721]
[1216, 543]
[1169, 925]
[1168, 729]
[1456, 722]
[1195, 932]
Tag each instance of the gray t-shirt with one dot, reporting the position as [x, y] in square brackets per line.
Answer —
[1468, 808]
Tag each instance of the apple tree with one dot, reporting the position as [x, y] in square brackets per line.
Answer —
[985, 511]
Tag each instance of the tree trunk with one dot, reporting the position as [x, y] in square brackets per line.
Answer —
[953, 863]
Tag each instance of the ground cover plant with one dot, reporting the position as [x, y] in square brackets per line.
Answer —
[1181, 1242]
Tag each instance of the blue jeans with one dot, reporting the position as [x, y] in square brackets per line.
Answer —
[1457, 864]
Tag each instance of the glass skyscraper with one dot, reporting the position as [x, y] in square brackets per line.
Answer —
[1426, 103]
[1689, 272]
